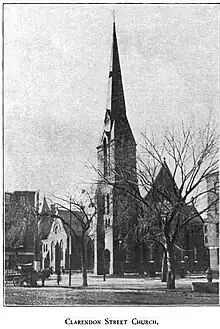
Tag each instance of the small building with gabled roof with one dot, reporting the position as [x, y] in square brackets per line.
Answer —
[60, 245]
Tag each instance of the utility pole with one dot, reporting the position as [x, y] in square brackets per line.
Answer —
[70, 244]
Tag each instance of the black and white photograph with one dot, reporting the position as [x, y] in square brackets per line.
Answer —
[110, 158]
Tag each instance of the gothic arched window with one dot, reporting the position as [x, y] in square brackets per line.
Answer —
[105, 157]
[195, 253]
[52, 250]
[107, 203]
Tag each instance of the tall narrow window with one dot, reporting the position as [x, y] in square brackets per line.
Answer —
[218, 256]
[105, 157]
[151, 250]
[52, 250]
[103, 204]
[195, 254]
[61, 250]
[217, 228]
[107, 203]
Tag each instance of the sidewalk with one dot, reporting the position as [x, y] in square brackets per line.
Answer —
[125, 283]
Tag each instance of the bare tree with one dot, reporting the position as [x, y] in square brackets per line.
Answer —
[83, 208]
[19, 215]
[171, 197]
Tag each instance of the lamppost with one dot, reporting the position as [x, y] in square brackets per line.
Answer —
[37, 245]
[70, 244]
[121, 256]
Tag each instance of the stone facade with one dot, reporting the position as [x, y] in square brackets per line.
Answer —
[211, 227]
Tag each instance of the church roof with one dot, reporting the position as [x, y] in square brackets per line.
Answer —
[163, 182]
[75, 221]
[47, 221]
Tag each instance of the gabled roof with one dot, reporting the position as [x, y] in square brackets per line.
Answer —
[46, 222]
[75, 221]
[164, 182]
[44, 226]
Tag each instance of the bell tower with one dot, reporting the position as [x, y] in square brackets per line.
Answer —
[116, 154]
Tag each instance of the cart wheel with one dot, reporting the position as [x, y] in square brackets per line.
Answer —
[17, 281]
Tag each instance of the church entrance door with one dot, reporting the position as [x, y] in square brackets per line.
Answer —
[106, 261]
[57, 256]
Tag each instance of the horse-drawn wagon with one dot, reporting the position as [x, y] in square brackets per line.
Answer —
[26, 275]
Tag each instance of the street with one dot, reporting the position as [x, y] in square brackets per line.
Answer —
[113, 291]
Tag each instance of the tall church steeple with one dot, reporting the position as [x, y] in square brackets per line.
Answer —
[116, 162]
[115, 115]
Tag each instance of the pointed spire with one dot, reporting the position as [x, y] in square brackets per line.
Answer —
[115, 116]
[44, 207]
[115, 107]
[118, 102]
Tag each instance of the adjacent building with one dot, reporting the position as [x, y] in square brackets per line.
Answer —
[42, 235]
[60, 244]
[21, 209]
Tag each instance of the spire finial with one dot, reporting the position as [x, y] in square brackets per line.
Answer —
[113, 15]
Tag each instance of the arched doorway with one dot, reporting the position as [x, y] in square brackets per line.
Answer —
[107, 258]
[57, 256]
[47, 260]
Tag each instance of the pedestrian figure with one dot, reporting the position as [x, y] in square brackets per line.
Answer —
[58, 276]
[63, 270]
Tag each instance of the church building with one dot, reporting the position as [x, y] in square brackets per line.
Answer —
[117, 194]
[117, 166]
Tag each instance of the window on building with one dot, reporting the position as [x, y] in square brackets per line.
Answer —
[206, 240]
[151, 252]
[217, 228]
[216, 187]
[56, 228]
[105, 157]
[205, 229]
[107, 203]
[195, 254]
[218, 256]
[61, 250]
[103, 203]
[109, 222]
[52, 250]
[22, 199]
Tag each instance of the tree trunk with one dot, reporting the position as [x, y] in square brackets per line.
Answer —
[141, 268]
[83, 261]
[164, 267]
[170, 266]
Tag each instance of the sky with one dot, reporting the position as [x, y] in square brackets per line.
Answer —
[56, 63]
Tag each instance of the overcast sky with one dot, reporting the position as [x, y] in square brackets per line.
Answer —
[56, 70]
